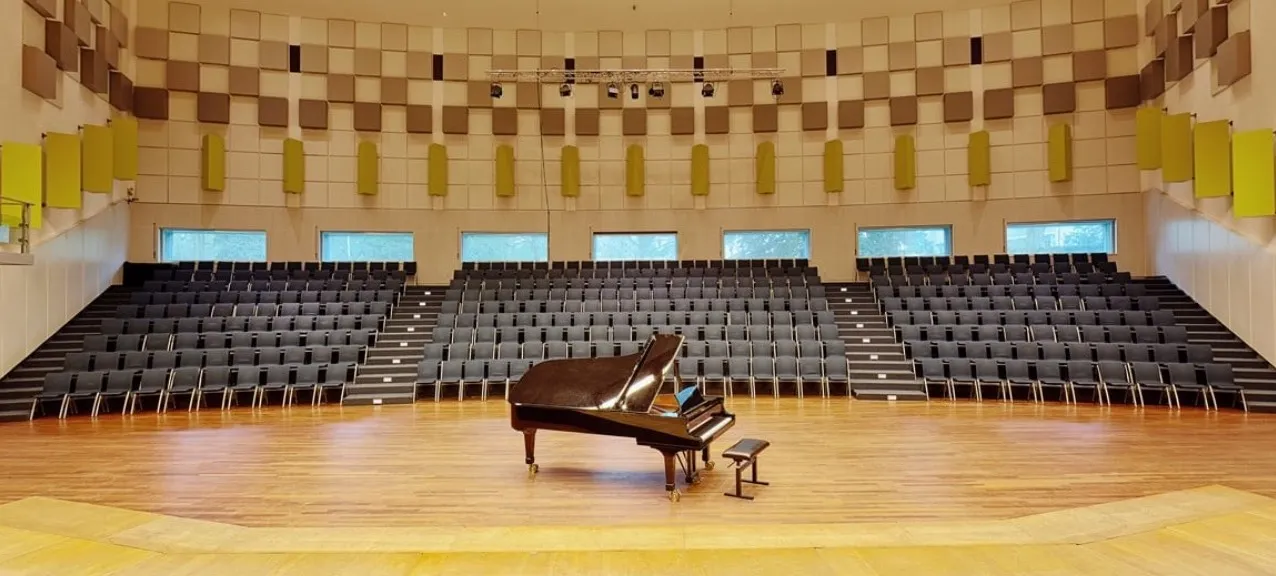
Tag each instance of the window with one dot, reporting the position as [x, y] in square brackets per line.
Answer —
[756, 244]
[4, 234]
[1074, 237]
[228, 245]
[651, 246]
[915, 241]
[516, 247]
[365, 246]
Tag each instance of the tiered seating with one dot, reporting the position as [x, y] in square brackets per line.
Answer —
[745, 321]
[201, 330]
[1061, 326]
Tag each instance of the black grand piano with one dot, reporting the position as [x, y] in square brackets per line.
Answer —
[618, 396]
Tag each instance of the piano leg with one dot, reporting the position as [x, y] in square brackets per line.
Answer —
[529, 447]
[670, 486]
[704, 455]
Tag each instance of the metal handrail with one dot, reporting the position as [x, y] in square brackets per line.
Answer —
[24, 226]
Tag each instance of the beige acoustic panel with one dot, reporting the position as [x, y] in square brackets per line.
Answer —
[272, 111]
[815, 116]
[420, 119]
[717, 120]
[850, 114]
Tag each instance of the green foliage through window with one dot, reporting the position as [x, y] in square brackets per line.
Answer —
[914, 241]
[762, 244]
[1074, 237]
[366, 247]
[504, 247]
[649, 246]
[225, 245]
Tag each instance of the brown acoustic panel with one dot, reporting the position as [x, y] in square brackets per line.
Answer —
[740, 93]
[1179, 59]
[95, 74]
[957, 51]
[314, 59]
[181, 76]
[367, 62]
[46, 8]
[959, 107]
[1089, 65]
[587, 121]
[877, 85]
[1059, 98]
[1153, 14]
[150, 103]
[121, 91]
[420, 119]
[367, 116]
[213, 108]
[930, 81]
[682, 120]
[1152, 80]
[478, 94]
[272, 111]
[1191, 13]
[59, 44]
[998, 47]
[1166, 31]
[312, 114]
[1121, 32]
[109, 47]
[634, 122]
[214, 49]
[1123, 92]
[904, 111]
[1211, 31]
[999, 104]
[850, 114]
[505, 121]
[1026, 72]
[39, 73]
[420, 65]
[77, 18]
[553, 122]
[766, 117]
[793, 90]
[528, 95]
[149, 43]
[1234, 60]
[394, 91]
[456, 120]
[244, 81]
[273, 55]
[341, 88]
[717, 120]
[119, 26]
[815, 115]
[1056, 40]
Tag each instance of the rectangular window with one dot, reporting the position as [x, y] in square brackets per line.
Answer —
[761, 244]
[647, 246]
[225, 245]
[1073, 237]
[365, 246]
[912, 241]
[4, 234]
[504, 247]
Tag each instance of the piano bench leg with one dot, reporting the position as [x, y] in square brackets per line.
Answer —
[740, 465]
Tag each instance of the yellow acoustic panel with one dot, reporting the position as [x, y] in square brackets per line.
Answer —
[124, 132]
[1213, 159]
[1255, 171]
[635, 171]
[905, 163]
[766, 168]
[62, 171]
[504, 170]
[979, 159]
[21, 180]
[700, 170]
[1176, 148]
[1147, 132]
[294, 166]
[438, 170]
[368, 175]
[97, 155]
[212, 163]
[1059, 152]
[833, 166]
[571, 171]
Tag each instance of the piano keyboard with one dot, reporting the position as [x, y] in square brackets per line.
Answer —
[711, 430]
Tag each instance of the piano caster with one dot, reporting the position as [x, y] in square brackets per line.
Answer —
[708, 465]
[532, 469]
[675, 495]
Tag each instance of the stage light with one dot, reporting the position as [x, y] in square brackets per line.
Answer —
[565, 90]
[777, 88]
[497, 91]
[657, 90]
[707, 90]
[633, 91]
[613, 91]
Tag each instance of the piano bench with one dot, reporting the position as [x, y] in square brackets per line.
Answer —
[744, 454]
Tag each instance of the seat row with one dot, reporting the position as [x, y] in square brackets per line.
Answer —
[178, 288]
[1054, 290]
[677, 282]
[626, 333]
[165, 384]
[606, 349]
[100, 361]
[685, 305]
[1093, 303]
[1198, 353]
[117, 326]
[1099, 379]
[1042, 333]
[182, 276]
[658, 293]
[1055, 317]
[637, 272]
[262, 297]
[195, 340]
[154, 311]
[866, 264]
[686, 265]
[310, 265]
[782, 318]
[1000, 279]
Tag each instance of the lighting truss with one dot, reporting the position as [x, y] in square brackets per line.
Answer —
[629, 76]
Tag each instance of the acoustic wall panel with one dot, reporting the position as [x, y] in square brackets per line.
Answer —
[368, 175]
[571, 172]
[1254, 167]
[505, 170]
[62, 171]
[833, 181]
[437, 176]
[700, 170]
[21, 174]
[1147, 133]
[212, 163]
[765, 164]
[1176, 148]
[1213, 159]
[905, 163]
[294, 166]
[635, 171]
[124, 155]
[979, 158]
[1059, 148]
[98, 169]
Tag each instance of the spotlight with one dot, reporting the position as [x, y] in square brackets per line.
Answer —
[657, 90]
[777, 88]
[497, 91]
[565, 90]
[707, 90]
[633, 91]
[613, 91]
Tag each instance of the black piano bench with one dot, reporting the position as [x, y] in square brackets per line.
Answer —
[744, 454]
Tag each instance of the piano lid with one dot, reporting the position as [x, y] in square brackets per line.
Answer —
[624, 383]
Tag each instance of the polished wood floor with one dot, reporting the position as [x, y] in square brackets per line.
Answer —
[459, 464]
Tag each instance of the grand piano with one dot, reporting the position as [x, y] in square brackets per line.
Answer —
[619, 396]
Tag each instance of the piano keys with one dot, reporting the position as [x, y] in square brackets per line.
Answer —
[617, 396]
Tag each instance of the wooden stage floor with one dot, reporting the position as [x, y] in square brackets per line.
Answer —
[857, 488]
